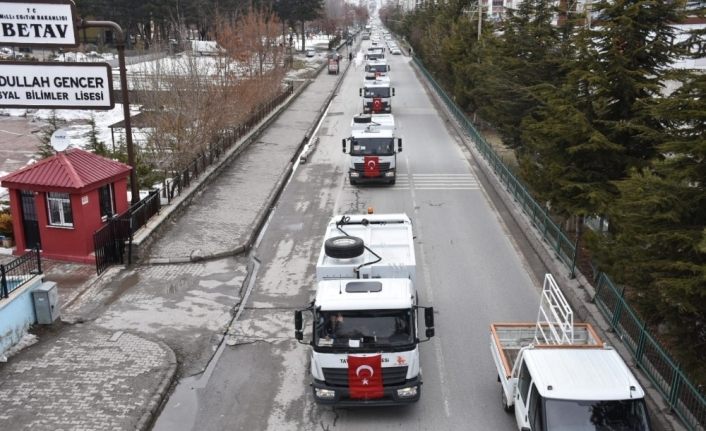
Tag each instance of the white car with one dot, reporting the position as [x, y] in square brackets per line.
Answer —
[395, 51]
[310, 52]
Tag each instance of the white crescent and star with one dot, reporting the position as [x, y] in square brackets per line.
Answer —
[371, 164]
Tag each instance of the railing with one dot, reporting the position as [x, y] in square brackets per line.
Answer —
[143, 210]
[21, 270]
[227, 139]
[685, 399]
[682, 396]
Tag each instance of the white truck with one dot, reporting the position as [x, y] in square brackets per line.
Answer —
[557, 375]
[374, 69]
[377, 96]
[375, 53]
[373, 157]
[365, 342]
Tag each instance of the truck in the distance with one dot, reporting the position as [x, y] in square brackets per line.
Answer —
[558, 375]
[373, 157]
[377, 96]
[364, 336]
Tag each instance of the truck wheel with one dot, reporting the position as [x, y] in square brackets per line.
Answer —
[344, 247]
[506, 407]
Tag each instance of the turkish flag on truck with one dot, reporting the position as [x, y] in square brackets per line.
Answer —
[372, 166]
[365, 377]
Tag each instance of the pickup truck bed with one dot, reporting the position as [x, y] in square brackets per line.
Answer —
[508, 338]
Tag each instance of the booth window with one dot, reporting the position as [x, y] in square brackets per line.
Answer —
[106, 201]
[59, 205]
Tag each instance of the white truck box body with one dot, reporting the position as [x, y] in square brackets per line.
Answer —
[388, 235]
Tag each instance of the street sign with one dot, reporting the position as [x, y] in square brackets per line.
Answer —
[50, 23]
[56, 85]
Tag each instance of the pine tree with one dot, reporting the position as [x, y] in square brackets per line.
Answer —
[94, 144]
[45, 148]
[526, 55]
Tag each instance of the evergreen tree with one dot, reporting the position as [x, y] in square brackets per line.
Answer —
[303, 11]
[527, 54]
[54, 123]
[658, 241]
[94, 144]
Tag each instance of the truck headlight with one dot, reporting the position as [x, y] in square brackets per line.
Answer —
[390, 173]
[327, 394]
[355, 174]
[407, 392]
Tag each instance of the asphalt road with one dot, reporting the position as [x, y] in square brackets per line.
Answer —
[469, 269]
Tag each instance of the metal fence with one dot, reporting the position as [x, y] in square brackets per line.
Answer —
[685, 399]
[227, 139]
[19, 271]
[143, 210]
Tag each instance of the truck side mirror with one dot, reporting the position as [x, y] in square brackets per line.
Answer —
[393, 91]
[298, 320]
[343, 141]
[399, 145]
[298, 333]
[360, 91]
[430, 332]
[388, 68]
[429, 317]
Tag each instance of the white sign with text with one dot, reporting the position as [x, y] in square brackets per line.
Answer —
[46, 23]
[56, 85]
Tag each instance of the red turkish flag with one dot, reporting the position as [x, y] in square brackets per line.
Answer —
[372, 166]
[365, 377]
[377, 105]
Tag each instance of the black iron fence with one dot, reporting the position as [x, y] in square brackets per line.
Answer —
[143, 210]
[111, 242]
[15, 274]
[225, 140]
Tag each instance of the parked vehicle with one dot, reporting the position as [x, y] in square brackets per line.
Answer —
[377, 95]
[558, 375]
[373, 155]
[364, 341]
[310, 52]
[333, 66]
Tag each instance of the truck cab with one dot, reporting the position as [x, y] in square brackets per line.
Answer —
[375, 69]
[364, 335]
[375, 53]
[373, 157]
[377, 96]
[558, 375]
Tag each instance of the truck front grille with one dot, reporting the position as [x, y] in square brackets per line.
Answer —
[390, 376]
[360, 167]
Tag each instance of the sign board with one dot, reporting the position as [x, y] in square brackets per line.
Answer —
[50, 23]
[56, 85]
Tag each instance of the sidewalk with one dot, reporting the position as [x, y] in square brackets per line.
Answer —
[112, 367]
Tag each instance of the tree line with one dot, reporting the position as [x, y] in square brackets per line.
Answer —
[151, 21]
[603, 127]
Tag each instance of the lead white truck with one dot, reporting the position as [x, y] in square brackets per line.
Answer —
[557, 375]
[364, 338]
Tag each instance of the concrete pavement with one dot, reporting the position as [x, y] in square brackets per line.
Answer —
[110, 365]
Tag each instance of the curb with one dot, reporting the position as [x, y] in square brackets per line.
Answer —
[145, 422]
[578, 291]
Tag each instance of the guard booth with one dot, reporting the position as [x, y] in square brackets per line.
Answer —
[62, 200]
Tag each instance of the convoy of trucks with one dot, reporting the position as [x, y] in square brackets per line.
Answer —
[558, 375]
[364, 335]
[554, 374]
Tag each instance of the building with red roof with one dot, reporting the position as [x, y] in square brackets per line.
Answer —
[62, 200]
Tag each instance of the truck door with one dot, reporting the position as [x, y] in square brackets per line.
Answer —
[522, 397]
[535, 410]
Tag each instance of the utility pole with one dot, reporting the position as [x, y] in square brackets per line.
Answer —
[480, 18]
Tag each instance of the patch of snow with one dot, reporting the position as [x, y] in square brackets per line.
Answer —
[26, 341]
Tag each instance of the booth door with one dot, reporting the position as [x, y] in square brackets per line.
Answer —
[30, 223]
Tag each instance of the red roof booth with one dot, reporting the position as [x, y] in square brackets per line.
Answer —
[62, 200]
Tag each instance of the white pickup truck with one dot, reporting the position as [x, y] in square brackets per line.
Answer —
[557, 375]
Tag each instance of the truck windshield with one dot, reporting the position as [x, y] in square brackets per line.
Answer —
[373, 147]
[364, 329]
[377, 92]
[377, 68]
[626, 415]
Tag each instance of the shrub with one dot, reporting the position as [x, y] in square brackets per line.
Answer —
[6, 224]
